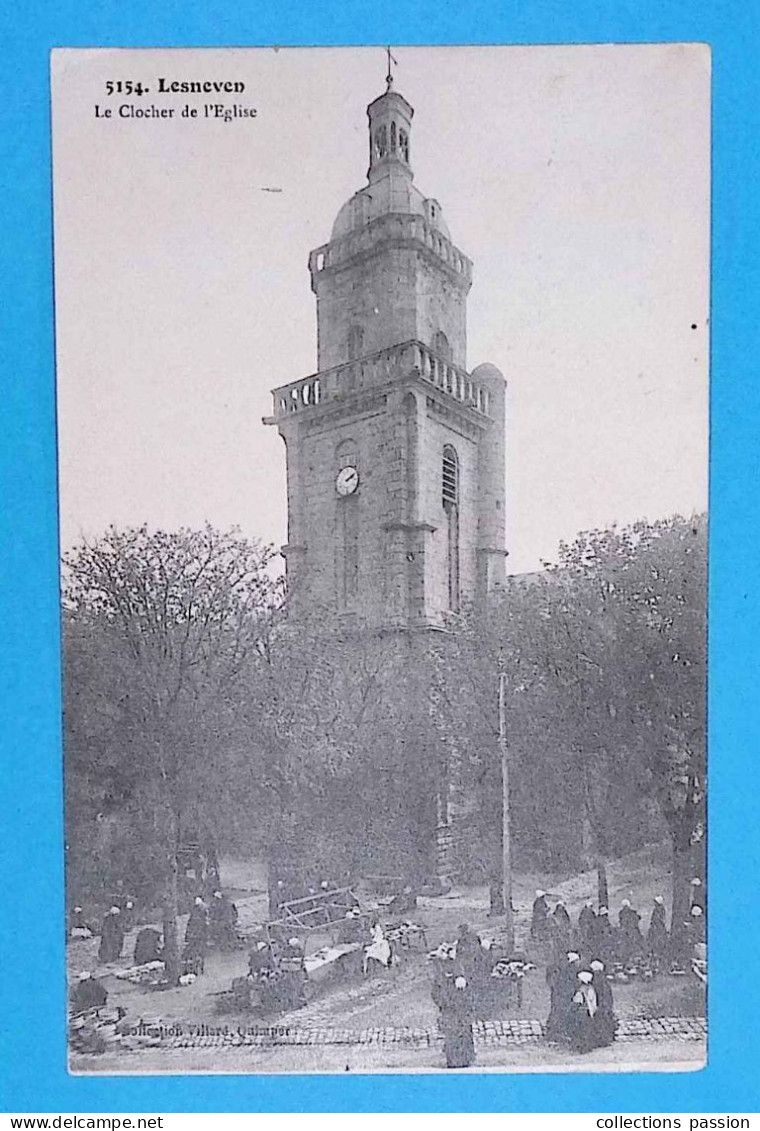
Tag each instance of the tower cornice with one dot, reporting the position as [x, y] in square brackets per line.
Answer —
[394, 229]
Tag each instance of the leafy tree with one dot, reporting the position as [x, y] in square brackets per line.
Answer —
[604, 661]
[167, 626]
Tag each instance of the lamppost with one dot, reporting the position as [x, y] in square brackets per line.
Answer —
[506, 848]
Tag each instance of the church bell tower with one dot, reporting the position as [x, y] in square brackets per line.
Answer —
[395, 474]
[395, 451]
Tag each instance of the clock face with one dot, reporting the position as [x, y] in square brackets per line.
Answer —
[347, 481]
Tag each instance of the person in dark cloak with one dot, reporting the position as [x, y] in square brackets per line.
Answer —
[128, 914]
[605, 1020]
[583, 1013]
[468, 951]
[88, 993]
[79, 928]
[223, 920]
[540, 930]
[586, 928]
[293, 991]
[561, 925]
[196, 935]
[111, 936]
[259, 959]
[212, 880]
[698, 930]
[453, 998]
[658, 940]
[604, 937]
[562, 980]
[630, 940]
[148, 946]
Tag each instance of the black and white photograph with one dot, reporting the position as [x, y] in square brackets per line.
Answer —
[383, 405]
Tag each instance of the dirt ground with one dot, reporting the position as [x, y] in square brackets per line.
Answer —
[401, 998]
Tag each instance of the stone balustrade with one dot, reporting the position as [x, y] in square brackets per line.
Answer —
[379, 369]
[394, 225]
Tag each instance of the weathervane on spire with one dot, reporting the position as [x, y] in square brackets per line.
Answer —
[391, 62]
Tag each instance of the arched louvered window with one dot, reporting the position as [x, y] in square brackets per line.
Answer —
[450, 478]
[381, 141]
[450, 499]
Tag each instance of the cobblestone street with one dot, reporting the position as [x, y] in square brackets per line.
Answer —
[497, 1034]
[664, 1045]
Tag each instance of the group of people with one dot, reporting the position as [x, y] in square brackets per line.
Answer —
[115, 923]
[628, 947]
[459, 982]
[113, 929]
[581, 1011]
[209, 924]
[276, 968]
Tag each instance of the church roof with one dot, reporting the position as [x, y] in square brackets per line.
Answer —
[392, 193]
[390, 188]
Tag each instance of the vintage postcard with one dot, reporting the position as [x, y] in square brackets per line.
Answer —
[383, 432]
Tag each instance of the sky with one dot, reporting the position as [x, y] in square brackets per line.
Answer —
[576, 179]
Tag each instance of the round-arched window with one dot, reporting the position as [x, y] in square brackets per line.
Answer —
[381, 142]
[450, 476]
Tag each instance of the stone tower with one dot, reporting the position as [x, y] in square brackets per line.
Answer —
[395, 452]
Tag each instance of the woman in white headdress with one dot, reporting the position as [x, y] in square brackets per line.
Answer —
[454, 1000]
[584, 1008]
[111, 936]
[379, 950]
[697, 897]
[79, 928]
[605, 1022]
[658, 940]
[562, 979]
[539, 921]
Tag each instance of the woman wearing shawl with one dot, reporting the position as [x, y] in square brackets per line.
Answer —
[453, 998]
[562, 980]
[582, 1018]
[658, 942]
[605, 1022]
[111, 936]
[539, 921]
[586, 927]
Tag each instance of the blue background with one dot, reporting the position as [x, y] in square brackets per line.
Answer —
[32, 1052]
